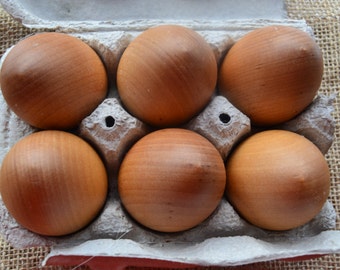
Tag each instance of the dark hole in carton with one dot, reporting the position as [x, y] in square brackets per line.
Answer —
[225, 118]
[110, 121]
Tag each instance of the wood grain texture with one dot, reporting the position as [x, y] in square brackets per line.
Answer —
[53, 80]
[167, 75]
[171, 180]
[323, 17]
[272, 74]
[277, 180]
[53, 183]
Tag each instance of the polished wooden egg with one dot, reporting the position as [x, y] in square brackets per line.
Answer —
[171, 180]
[167, 75]
[277, 180]
[53, 183]
[272, 74]
[53, 80]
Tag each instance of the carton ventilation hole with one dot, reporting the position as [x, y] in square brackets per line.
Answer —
[109, 121]
[225, 118]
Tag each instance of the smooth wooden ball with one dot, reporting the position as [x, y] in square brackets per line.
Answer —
[53, 80]
[167, 75]
[171, 180]
[277, 180]
[53, 183]
[272, 74]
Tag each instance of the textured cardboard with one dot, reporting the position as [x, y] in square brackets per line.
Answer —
[224, 239]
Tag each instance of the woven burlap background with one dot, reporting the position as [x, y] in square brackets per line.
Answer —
[324, 17]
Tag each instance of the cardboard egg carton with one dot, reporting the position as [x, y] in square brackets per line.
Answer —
[113, 238]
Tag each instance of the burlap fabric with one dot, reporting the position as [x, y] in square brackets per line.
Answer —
[324, 17]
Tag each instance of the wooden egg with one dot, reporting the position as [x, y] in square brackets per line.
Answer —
[272, 74]
[167, 75]
[171, 180]
[277, 180]
[53, 183]
[53, 80]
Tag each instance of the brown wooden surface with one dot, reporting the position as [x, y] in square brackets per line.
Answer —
[324, 17]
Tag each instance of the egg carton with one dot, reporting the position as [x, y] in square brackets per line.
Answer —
[113, 238]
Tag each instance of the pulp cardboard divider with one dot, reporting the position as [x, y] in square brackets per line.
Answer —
[116, 18]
